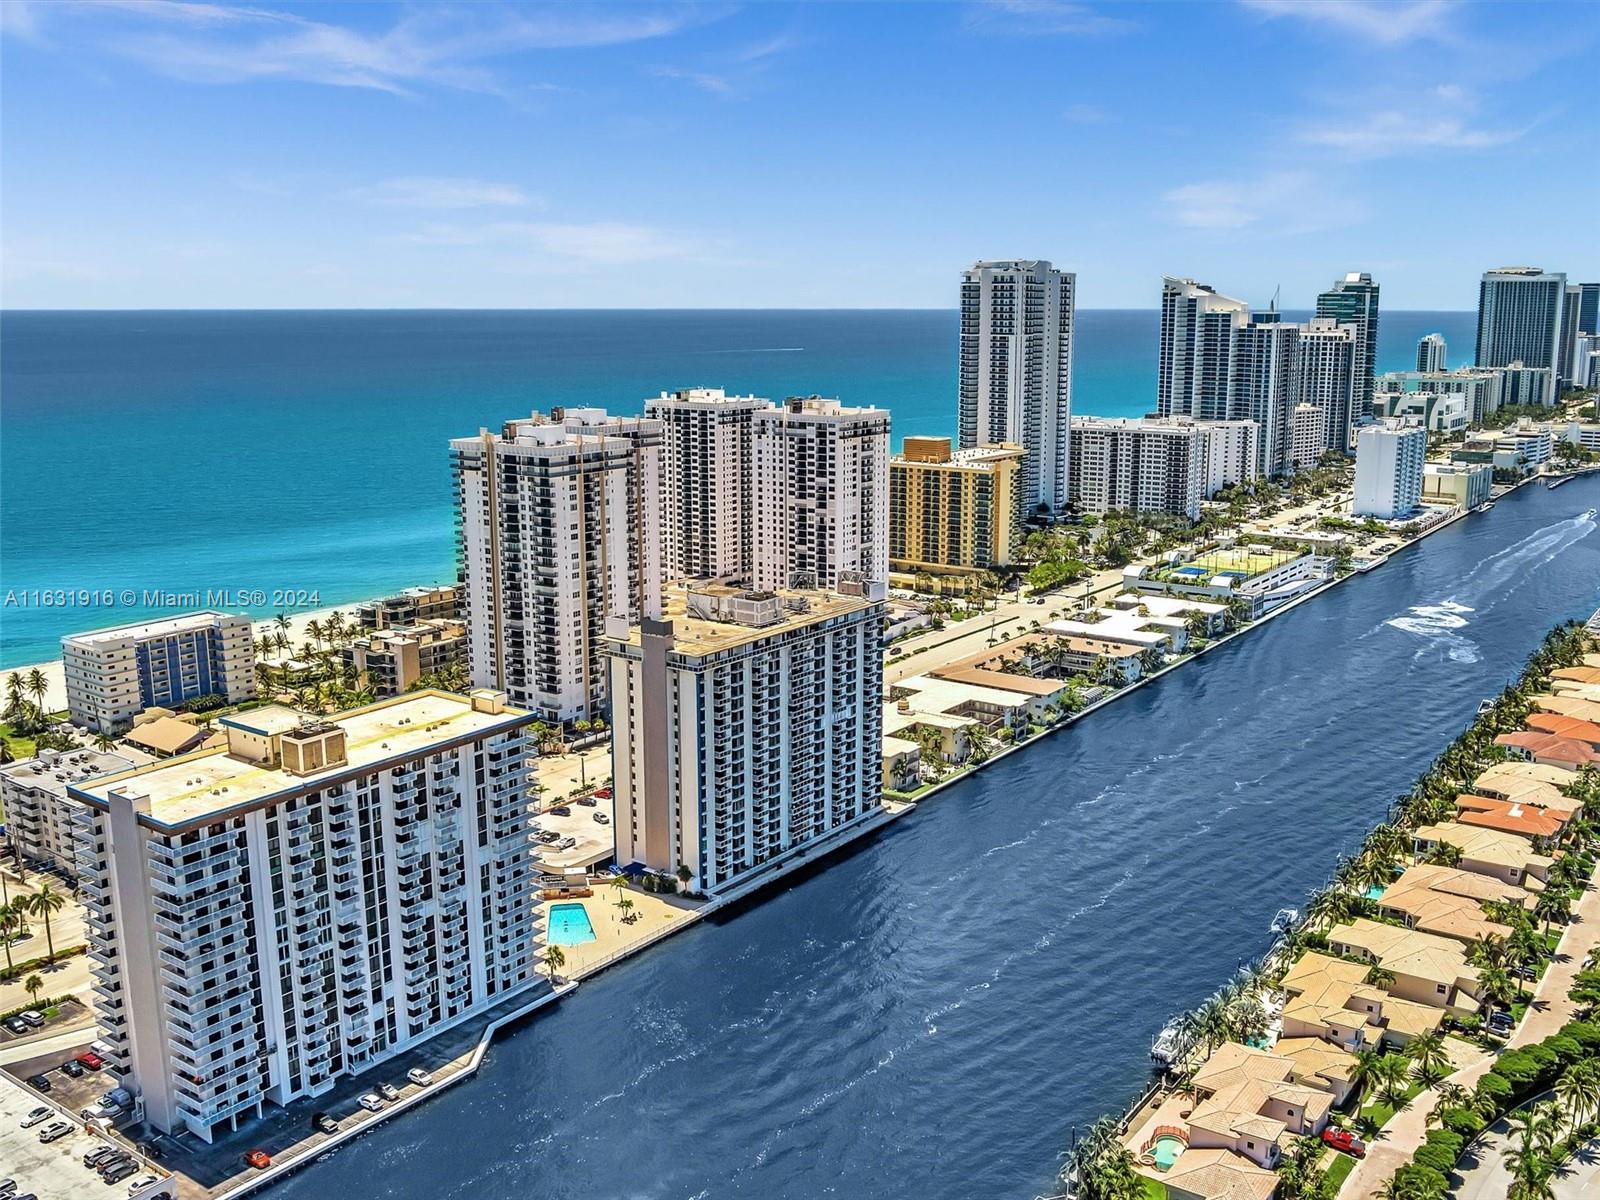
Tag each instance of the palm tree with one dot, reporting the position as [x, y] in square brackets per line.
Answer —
[46, 902]
[38, 686]
[626, 905]
[104, 741]
[554, 960]
[1379, 976]
[620, 883]
[1393, 1071]
[33, 985]
[9, 918]
[1529, 1158]
[1579, 1089]
[1365, 1073]
[1427, 1052]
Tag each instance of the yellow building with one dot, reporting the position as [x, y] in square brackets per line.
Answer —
[955, 511]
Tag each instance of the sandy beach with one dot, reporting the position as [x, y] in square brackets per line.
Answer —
[55, 676]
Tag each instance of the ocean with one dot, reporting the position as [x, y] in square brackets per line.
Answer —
[192, 453]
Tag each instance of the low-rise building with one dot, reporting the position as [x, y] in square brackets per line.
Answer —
[1549, 749]
[166, 736]
[1489, 852]
[33, 797]
[271, 917]
[957, 511]
[1329, 999]
[391, 660]
[1437, 412]
[114, 674]
[1525, 820]
[1260, 576]
[411, 607]
[1447, 901]
[1568, 706]
[1464, 485]
[1532, 783]
[1248, 1099]
[1426, 969]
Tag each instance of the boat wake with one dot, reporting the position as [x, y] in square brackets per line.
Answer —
[1520, 558]
[760, 350]
[1439, 626]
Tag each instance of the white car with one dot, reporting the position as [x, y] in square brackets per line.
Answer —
[38, 1117]
[372, 1102]
[419, 1077]
[144, 1181]
[388, 1091]
[602, 819]
[56, 1129]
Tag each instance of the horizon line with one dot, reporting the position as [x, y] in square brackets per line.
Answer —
[617, 309]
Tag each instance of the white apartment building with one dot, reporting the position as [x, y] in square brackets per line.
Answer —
[1519, 321]
[1308, 437]
[1431, 353]
[1389, 461]
[1326, 376]
[33, 797]
[1437, 412]
[1232, 453]
[1265, 386]
[1480, 387]
[1198, 331]
[747, 725]
[559, 528]
[708, 469]
[114, 674]
[822, 495]
[1016, 369]
[269, 918]
[1145, 465]
[1525, 386]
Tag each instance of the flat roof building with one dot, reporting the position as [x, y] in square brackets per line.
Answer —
[955, 511]
[33, 797]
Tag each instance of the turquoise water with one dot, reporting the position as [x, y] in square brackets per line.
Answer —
[1374, 892]
[305, 451]
[568, 925]
[1166, 1151]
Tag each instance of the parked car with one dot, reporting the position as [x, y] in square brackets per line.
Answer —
[120, 1159]
[602, 793]
[566, 843]
[562, 810]
[1501, 1022]
[90, 1059]
[372, 1102]
[1343, 1139]
[54, 1131]
[38, 1116]
[39, 1083]
[16, 1025]
[100, 1154]
[33, 1018]
[323, 1123]
[548, 836]
[419, 1077]
[602, 819]
[144, 1181]
[388, 1091]
[1523, 972]
[259, 1159]
[8, 1187]
[587, 801]
[118, 1171]
[72, 1068]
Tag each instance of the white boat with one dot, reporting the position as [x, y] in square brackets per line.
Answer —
[1167, 1044]
[1587, 515]
[1284, 921]
[1485, 705]
[1555, 481]
[1364, 565]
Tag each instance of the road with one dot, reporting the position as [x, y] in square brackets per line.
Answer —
[1486, 1175]
[1550, 1010]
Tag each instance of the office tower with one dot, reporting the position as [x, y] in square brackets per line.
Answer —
[821, 494]
[1572, 302]
[269, 918]
[953, 512]
[746, 725]
[1198, 332]
[33, 796]
[1589, 308]
[1353, 301]
[114, 674]
[1519, 319]
[1308, 437]
[1326, 375]
[708, 469]
[1016, 369]
[558, 528]
[1151, 466]
[1266, 359]
[1389, 460]
[1430, 352]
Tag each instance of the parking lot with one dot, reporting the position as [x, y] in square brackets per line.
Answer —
[593, 842]
[54, 1170]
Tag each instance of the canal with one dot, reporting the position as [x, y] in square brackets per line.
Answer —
[933, 1012]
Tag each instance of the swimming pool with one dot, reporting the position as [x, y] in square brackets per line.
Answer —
[569, 925]
[1166, 1151]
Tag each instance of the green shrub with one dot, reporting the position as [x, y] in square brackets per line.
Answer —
[1454, 1143]
[1463, 1121]
[1496, 1089]
[1518, 1067]
[1567, 1050]
[1436, 1158]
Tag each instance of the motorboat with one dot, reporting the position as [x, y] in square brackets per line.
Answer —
[1587, 515]
[1167, 1045]
[1285, 920]
[1485, 705]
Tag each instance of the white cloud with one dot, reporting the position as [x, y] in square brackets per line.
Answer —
[1282, 201]
[1439, 118]
[1382, 21]
[598, 243]
[704, 80]
[1043, 17]
[419, 192]
[443, 47]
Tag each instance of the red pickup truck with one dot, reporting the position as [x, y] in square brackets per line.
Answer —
[1343, 1139]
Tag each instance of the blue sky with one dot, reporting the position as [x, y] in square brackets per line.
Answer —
[771, 155]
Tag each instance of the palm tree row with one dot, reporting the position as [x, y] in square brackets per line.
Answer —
[44, 904]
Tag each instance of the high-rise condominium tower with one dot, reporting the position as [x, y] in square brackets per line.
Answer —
[1589, 308]
[558, 529]
[1016, 368]
[1519, 320]
[821, 495]
[1572, 302]
[1353, 301]
[1430, 352]
[1326, 376]
[1198, 331]
[1266, 362]
[708, 467]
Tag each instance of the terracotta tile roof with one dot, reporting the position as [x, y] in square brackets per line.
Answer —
[1563, 726]
[1545, 745]
[1578, 674]
[1569, 706]
[1220, 1175]
[1524, 820]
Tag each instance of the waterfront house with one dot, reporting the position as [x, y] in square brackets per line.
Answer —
[902, 764]
[902, 721]
[1491, 852]
[1218, 1175]
[1427, 969]
[1511, 816]
[1548, 748]
[1574, 728]
[1583, 674]
[1531, 783]
[1248, 1100]
[988, 705]
[1330, 1000]
[1440, 904]
[1568, 706]
[1319, 1064]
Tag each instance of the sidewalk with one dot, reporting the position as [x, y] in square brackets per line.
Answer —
[1550, 1010]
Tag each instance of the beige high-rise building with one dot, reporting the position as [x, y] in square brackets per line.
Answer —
[955, 511]
[821, 495]
[708, 473]
[745, 725]
[559, 529]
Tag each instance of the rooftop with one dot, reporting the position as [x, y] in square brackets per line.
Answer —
[200, 786]
[1486, 845]
[697, 635]
[1407, 951]
[140, 630]
[54, 769]
[1510, 816]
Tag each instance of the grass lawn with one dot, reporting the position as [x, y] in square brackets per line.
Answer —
[21, 747]
[1343, 1164]
[1379, 1111]
[1154, 1189]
